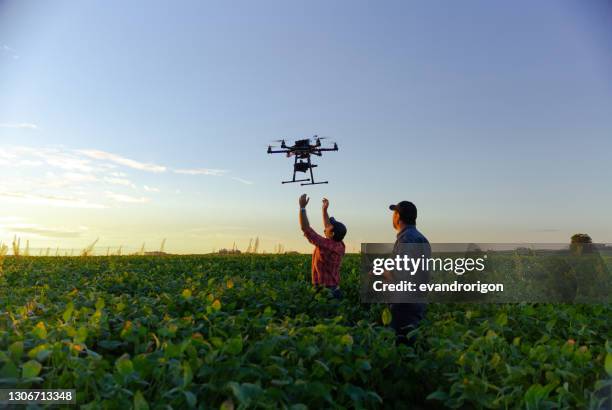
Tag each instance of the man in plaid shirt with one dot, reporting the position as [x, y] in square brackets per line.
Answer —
[329, 250]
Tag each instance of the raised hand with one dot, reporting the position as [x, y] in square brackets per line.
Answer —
[303, 201]
[325, 204]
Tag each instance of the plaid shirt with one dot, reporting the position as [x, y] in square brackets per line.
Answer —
[326, 259]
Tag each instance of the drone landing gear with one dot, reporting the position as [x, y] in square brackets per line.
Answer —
[303, 167]
[295, 180]
[316, 183]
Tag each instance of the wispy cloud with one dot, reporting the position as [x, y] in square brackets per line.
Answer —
[80, 177]
[117, 159]
[201, 171]
[19, 125]
[150, 188]
[77, 177]
[126, 198]
[63, 159]
[43, 231]
[9, 52]
[244, 181]
[50, 200]
[119, 181]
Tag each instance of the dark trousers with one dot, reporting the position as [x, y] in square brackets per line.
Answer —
[404, 318]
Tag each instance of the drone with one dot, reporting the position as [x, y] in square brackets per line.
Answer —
[302, 150]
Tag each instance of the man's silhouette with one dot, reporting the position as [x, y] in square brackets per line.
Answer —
[406, 316]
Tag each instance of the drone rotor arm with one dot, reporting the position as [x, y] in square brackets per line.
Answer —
[284, 151]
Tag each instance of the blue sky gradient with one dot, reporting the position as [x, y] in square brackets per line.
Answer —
[494, 118]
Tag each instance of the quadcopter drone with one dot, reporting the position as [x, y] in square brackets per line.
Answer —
[302, 150]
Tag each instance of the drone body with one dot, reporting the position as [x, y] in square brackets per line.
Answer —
[302, 150]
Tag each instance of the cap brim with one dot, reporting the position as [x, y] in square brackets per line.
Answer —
[392, 207]
[332, 220]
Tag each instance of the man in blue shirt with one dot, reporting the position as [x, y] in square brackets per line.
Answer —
[406, 316]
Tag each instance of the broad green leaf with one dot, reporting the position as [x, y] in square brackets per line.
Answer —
[187, 374]
[216, 304]
[124, 365]
[245, 393]
[68, 312]
[186, 293]
[227, 405]
[16, 350]
[234, 345]
[40, 330]
[81, 335]
[31, 369]
[386, 316]
[127, 329]
[346, 340]
[437, 395]
[140, 403]
[502, 319]
[9, 370]
[100, 304]
[40, 352]
[191, 398]
[608, 364]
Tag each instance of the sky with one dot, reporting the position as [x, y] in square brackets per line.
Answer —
[131, 122]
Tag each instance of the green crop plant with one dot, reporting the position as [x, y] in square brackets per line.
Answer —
[248, 331]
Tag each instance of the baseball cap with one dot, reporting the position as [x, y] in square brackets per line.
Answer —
[407, 211]
[339, 229]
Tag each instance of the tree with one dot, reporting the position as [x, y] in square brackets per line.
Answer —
[581, 243]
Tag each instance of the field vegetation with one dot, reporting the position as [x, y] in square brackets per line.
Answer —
[247, 331]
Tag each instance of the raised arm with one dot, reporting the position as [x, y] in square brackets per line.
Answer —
[304, 224]
[326, 221]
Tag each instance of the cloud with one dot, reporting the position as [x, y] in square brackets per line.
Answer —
[244, 181]
[74, 177]
[117, 159]
[119, 181]
[53, 157]
[8, 51]
[59, 159]
[77, 177]
[43, 231]
[50, 200]
[7, 154]
[126, 198]
[10, 219]
[19, 125]
[201, 171]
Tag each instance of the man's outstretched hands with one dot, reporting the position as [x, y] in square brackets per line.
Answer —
[325, 204]
[304, 201]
